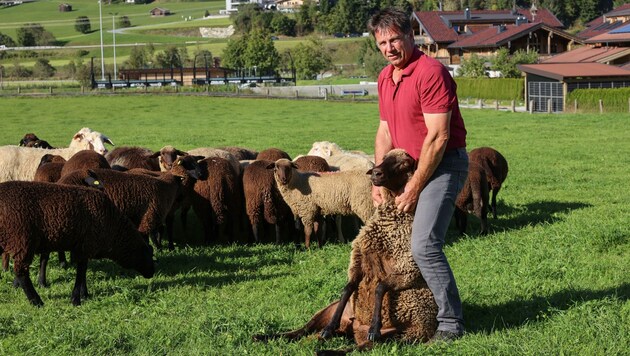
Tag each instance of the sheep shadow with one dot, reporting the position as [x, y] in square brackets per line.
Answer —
[492, 318]
[512, 217]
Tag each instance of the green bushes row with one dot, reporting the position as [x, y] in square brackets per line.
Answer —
[613, 100]
[490, 88]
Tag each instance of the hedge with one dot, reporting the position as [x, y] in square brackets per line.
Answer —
[491, 88]
[613, 100]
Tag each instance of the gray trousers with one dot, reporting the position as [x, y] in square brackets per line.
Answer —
[433, 215]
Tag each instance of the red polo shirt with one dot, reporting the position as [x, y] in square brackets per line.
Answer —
[425, 86]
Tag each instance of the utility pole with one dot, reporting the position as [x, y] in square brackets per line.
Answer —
[100, 16]
[114, 34]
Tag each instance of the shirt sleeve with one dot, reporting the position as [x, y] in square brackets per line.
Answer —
[436, 91]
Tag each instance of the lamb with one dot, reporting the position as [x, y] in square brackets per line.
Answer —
[20, 163]
[341, 159]
[123, 158]
[313, 195]
[263, 202]
[272, 154]
[473, 198]
[77, 219]
[387, 294]
[146, 200]
[496, 168]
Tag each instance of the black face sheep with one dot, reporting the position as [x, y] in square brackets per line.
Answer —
[263, 202]
[272, 154]
[313, 195]
[385, 296]
[123, 158]
[473, 198]
[29, 137]
[496, 168]
[77, 219]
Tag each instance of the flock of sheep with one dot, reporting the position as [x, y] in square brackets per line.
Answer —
[114, 204]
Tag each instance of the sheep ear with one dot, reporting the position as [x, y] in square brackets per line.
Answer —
[369, 172]
[293, 165]
[181, 153]
[155, 155]
[271, 165]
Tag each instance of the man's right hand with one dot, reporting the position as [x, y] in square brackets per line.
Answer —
[377, 197]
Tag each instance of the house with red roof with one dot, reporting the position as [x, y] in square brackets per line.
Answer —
[436, 31]
[603, 25]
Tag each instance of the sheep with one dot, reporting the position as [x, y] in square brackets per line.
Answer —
[168, 155]
[496, 168]
[272, 154]
[241, 153]
[77, 219]
[29, 137]
[341, 159]
[147, 200]
[313, 195]
[133, 157]
[263, 202]
[473, 198]
[20, 163]
[86, 159]
[387, 294]
[49, 169]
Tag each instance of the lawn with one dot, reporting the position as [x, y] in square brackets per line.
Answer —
[550, 278]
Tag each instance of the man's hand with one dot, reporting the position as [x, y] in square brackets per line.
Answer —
[377, 197]
[407, 201]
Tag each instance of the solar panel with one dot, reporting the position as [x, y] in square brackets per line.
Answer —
[622, 29]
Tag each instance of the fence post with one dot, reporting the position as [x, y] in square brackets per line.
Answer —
[480, 103]
[19, 89]
[497, 104]
[531, 106]
[601, 106]
[297, 95]
[549, 106]
[575, 106]
[82, 89]
[267, 93]
[50, 88]
[513, 106]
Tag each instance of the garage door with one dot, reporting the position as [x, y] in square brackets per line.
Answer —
[544, 94]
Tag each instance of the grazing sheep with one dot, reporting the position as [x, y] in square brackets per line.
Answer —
[313, 195]
[86, 159]
[146, 200]
[133, 157]
[77, 219]
[496, 168]
[341, 159]
[473, 198]
[263, 202]
[388, 298]
[20, 163]
[272, 154]
[241, 153]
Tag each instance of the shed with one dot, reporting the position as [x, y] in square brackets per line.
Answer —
[65, 7]
[550, 83]
[160, 11]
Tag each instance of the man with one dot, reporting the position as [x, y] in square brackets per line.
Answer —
[419, 113]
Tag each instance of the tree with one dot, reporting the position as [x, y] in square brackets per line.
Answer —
[138, 58]
[34, 34]
[82, 24]
[283, 25]
[172, 57]
[234, 52]
[507, 64]
[202, 57]
[371, 58]
[473, 67]
[19, 71]
[43, 69]
[311, 58]
[244, 18]
[261, 52]
[6, 40]
[124, 22]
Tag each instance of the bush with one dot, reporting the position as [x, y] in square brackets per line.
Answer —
[490, 88]
[82, 24]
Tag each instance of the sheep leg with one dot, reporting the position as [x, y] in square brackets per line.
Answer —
[461, 220]
[338, 223]
[63, 262]
[308, 231]
[375, 326]
[80, 283]
[43, 263]
[335, 320]
[24, 280]
[170, 221]
[495, 191]
[5, 261]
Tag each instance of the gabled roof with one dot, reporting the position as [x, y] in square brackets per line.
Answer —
[620, 34]
[493, 37]
[590, 54]
[600, 26]
[438, 24]
[586, 70]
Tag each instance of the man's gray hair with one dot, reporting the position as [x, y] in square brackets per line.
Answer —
[390, 19]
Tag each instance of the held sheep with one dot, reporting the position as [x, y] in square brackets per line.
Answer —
[77, 219]
[496, 168]
[124, 158]
[312, 195]
[20, 163]
[386, 296]
[473, 199]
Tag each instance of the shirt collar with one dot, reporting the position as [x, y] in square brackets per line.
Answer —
[411, 66]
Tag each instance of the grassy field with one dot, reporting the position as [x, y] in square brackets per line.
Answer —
[550, 278]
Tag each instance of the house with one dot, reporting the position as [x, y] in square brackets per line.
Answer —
[617, 56]
[435, 31]
[65, 7]
[606, 23]
[160, 11]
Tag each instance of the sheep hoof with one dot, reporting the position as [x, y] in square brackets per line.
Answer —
[374, 335]
[326, 333]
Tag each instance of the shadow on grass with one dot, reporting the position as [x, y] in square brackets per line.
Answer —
[519, 216]
[516, 313]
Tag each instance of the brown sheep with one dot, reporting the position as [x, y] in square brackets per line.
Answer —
[473, 198]
[123, 158]
[386, 296]
[272, 154]
[86, 159]
[496, 168]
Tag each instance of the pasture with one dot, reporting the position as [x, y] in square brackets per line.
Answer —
[550, 278]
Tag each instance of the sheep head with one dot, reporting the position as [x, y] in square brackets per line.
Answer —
[283, 170]
[29, 137]
[167, 157]
[394, 171]
[324, 149]
[90, 140]
[186, 167]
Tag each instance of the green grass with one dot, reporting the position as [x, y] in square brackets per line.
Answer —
[550, 278]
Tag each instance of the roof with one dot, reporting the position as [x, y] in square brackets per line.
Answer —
[600, 26]
[491, 37]
[438, 24]
[619, 34]
[560, 71]
[588, 54]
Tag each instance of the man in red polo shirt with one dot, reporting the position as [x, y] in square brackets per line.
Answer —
[419, 113]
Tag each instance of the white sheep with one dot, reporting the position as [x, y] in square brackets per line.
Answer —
[20, 163]
[340, 158]
[312, 195]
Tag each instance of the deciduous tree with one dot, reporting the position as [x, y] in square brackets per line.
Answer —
[82, 24]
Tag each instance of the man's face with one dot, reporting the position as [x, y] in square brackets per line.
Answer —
[396, 47]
